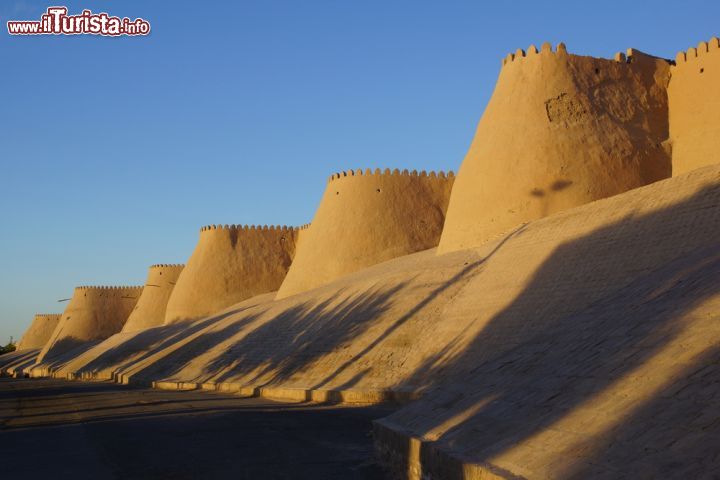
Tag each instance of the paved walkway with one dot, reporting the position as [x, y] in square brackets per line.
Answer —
[58, 429]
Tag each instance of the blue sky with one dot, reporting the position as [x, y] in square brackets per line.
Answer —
[114, 151]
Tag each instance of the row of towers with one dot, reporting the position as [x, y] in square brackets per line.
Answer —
[560, 130]
[363, 219]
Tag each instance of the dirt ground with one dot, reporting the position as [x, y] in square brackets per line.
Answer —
[60, 429]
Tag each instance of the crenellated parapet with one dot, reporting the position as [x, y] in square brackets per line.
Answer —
[687, 57]
[532, 52]
[248, 228]
[367, 217]
[560, 51]
[110, 288]
[693, 98]
[168, 265]
[560, 130]
[387, 172]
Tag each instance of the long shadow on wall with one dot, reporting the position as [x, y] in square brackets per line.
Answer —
[69, 348]
[276, 349]
[147, 342]
[676, 433]
[573, 332]
[283, 345]
[295, 340]
[387, 332]
[257, 352]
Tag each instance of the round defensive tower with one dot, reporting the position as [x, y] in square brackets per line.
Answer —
[152, 304]
[39, 332]
[366, 218]
[694, 100]
[94, 313]
[560, 130]
[229, 264]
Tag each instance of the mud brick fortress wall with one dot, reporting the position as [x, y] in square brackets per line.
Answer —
[39, 331]
[151, 307]
[368, 217]
[94, 313]
[694, 100]
[231, 263]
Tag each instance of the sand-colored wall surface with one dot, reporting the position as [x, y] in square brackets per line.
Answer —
[366, 218]
[529, 354]
[567, 325]
[150, 308]
[231, 263]
[93, 313]
[560, 130]
[39, 331]
[694, 100]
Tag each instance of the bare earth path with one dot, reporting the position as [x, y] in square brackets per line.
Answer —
[59, 429]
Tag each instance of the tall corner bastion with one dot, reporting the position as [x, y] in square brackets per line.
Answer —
[560, 130]
[39, 331]
[694, 99]
[152, 304]
[365, 218]
[93, 314]
[231, 263]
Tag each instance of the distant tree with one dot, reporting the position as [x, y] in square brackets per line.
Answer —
[10, 347]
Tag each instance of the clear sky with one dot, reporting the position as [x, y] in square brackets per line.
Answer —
[114, 151]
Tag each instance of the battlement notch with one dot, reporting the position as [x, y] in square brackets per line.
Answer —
[704, 48]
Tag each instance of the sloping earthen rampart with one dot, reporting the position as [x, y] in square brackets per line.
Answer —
[562, 350]
[366, 218]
